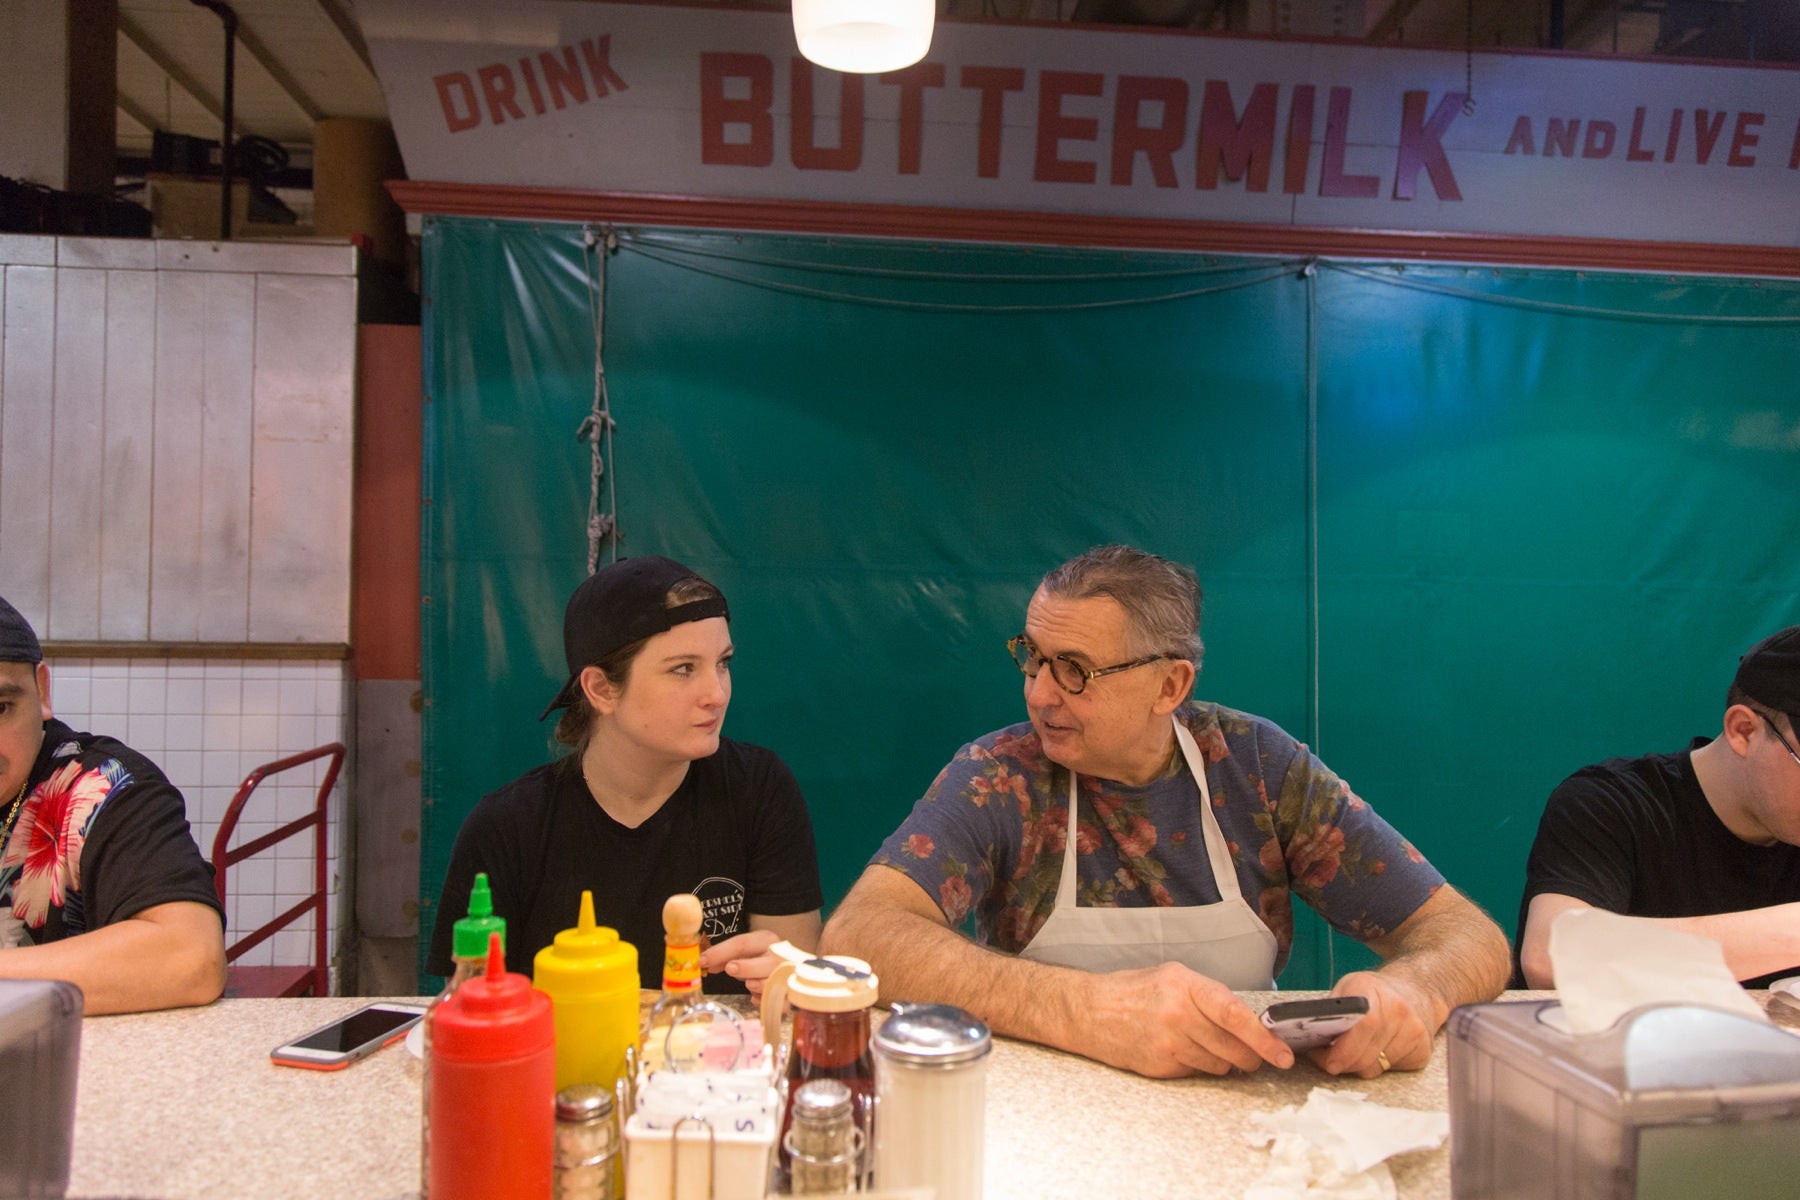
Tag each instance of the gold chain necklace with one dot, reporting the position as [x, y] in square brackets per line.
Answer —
[12, 814]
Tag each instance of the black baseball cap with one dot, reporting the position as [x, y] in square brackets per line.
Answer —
[622, 603]
[18, 644]
[1769, 672]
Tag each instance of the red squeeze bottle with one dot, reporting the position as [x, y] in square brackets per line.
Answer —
[493, 1089]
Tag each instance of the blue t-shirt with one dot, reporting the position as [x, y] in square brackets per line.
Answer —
[987, 837]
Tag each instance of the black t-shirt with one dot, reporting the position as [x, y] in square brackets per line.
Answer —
[735, 833]
[1637, 836]
[101, 836]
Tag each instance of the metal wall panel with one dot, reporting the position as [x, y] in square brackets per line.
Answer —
[228, 339]
[175, 495]
[299, 549]
[176, 420]
[25, 428]
[76, 478]
[127, 455]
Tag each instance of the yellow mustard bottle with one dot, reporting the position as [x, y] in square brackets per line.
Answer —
[591, 978]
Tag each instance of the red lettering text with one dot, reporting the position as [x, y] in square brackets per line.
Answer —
[719, 112]
[456, 91]
[1706, 134]
[1238, 146]
[1635, 152]
[563, 77]
[1674, 136]
[1158, 142]
[497, 88]
[1299, 140]
[1422, 145]
[1600, 138]
[1332, 180]
[912, 83]
[531, 86]
[599, 67]
[993, 83]
[1743, 139]
[1559, 137]
[1056, 127]
[1520, 142]
[807, 154]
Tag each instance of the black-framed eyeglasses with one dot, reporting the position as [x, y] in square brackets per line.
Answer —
[1070, 675]
[1780, 736]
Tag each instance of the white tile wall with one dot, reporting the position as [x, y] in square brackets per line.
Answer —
[207, 724]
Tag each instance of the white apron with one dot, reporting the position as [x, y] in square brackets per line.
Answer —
[1225, 941]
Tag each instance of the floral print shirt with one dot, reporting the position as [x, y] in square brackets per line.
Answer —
[101, 836]
[986, 841]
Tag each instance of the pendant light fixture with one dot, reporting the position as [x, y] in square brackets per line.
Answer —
[864, 37]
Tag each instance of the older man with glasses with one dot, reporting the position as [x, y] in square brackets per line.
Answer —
[1130, 855]
[1708, 839]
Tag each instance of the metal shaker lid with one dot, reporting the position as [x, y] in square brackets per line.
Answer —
[584, 1102]
[932, 1035]
[820, 1101]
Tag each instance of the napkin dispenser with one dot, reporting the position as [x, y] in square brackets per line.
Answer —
[40, 1046]
[1673, 1102]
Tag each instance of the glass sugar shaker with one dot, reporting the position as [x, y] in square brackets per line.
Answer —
[931, 1091]
[823, 1141]
[587, 1143]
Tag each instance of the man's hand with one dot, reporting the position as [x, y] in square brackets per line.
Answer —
[1397, 1027]
[1168, 1021]
[744, 957]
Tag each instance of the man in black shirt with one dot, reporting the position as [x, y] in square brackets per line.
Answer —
[1708, 839]
[100, 881]
[652, 802]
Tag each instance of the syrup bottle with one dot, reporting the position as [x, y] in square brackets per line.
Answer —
[831, 998]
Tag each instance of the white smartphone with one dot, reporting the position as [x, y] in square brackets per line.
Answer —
[335, 1046]
[1308, 1024]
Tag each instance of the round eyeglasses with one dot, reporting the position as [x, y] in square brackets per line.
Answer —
[1070, 675]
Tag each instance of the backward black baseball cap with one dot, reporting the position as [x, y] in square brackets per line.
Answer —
[622, 603]
[1769, 672]
[18, 644]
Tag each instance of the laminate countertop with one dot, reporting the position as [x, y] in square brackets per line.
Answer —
[185, 1105]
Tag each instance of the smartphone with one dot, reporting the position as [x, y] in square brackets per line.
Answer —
[335, 1046]
[1308, 1024]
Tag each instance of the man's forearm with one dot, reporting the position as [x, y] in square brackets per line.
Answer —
[923, 960]
[130, 966]
[1757, 941]
[1449, 951]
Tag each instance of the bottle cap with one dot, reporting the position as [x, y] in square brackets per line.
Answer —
[682, 917]
[586, 962]
[494, 1016]
[821, 1101]
[829, 983]
[469, 936]
[930, 1035]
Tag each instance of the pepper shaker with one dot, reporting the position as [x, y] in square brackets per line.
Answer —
[823, 1142]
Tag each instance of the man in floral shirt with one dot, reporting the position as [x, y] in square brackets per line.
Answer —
[100, 881]
[1193, 827]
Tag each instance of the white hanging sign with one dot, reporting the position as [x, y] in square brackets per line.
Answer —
[1131, 123]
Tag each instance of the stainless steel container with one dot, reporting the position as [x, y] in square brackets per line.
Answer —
[931, 1090]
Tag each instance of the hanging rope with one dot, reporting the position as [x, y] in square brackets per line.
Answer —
[1549, 306]
[596, 428]
[638, 239]
[1268, 271]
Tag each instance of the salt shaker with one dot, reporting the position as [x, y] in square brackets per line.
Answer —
[587, 1143]
[823, 1142]
[931, 1090]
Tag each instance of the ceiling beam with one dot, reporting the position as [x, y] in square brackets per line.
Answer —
[1388, 27]
[290, 87]
[347, 29]
[136, 112]
[129, 30]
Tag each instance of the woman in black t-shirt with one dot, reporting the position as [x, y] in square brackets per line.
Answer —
[652, 800]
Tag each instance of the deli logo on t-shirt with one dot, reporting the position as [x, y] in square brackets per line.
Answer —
[721, 905]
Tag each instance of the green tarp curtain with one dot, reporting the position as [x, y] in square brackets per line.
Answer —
[1463, 529]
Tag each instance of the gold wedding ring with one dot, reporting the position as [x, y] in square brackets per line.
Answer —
[1381, 1060]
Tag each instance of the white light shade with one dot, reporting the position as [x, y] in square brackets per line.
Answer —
[864, 36]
